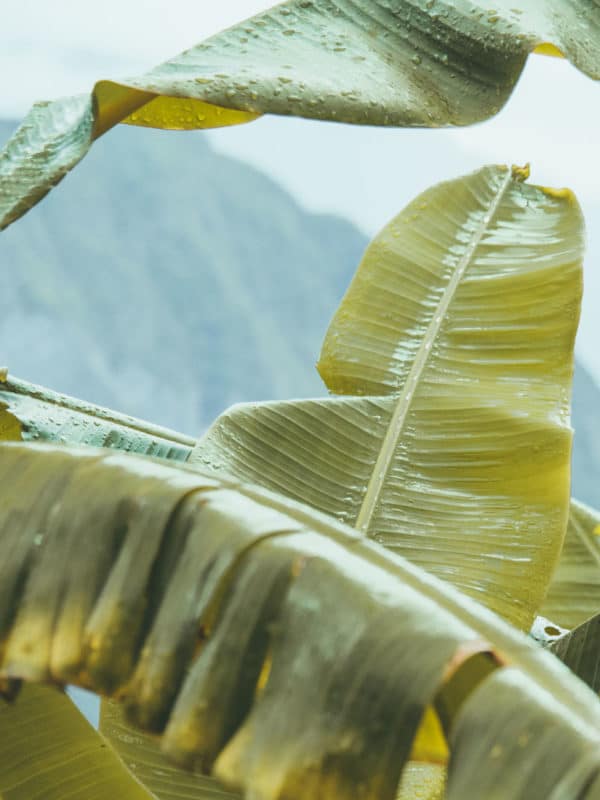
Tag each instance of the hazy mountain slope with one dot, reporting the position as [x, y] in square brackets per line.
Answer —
[586, 450]
[168, 281]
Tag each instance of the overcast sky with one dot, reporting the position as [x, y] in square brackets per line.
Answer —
[49, 49]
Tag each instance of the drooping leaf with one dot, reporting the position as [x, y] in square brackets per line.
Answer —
[460, 324]
[376, 62]
[574, 593]
[485, 747]
[574, 597]
[36, 414]
[49, 751]
[32, 413]
[263, 639]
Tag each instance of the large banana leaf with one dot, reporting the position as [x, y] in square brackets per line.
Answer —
[49, 751]
[460, 323]
[36, 414]
[484, 753]
[376, 62]
[574, 594]
[265, 640]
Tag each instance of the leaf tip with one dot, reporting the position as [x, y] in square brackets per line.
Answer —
[521, 174]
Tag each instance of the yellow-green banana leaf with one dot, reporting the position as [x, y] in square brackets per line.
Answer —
[32, 413]
[574, 594]
[48, 751]
[455, 340]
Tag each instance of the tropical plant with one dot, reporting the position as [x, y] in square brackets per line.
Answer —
[326, 598]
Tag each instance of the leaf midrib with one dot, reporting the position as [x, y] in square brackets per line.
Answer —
[406, 395]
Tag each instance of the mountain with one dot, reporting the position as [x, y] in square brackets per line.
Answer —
[586, 449]
[168, 281]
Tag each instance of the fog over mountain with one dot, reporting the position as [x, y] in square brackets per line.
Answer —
[168, 281]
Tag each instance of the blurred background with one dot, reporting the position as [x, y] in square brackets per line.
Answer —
[173, 274]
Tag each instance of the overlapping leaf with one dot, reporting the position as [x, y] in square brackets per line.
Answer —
[484, 754]
[574, 594]
[49, 751]
[33, 413]
[37, 414]
[143, 757]
[376, 62]
[32, 417]
[328, 646]
[460, 323]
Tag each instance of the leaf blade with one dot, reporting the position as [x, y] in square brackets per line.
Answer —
[405, 63]
[463, 312]
[574, 593]
[48, 750]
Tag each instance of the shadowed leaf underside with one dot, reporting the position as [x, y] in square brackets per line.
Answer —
[209, 607]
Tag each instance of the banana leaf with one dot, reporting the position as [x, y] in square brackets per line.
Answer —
[574, 593]
[375, 62]
[264, 641]
[484, 754]
[33, 413]
[454, 346]
[48, 750]
[574, 597]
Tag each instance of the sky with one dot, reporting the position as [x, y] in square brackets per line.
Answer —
[366, 174]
